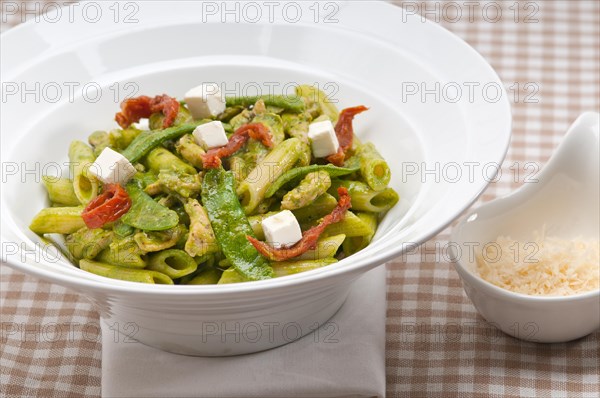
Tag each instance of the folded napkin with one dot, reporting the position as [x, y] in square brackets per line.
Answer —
[346, 360]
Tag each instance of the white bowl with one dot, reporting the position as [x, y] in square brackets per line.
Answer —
[565, 201]
[377, 60]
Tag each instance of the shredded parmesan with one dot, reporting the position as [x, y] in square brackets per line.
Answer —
[545, 266]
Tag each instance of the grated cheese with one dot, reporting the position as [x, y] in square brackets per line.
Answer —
[545, 266]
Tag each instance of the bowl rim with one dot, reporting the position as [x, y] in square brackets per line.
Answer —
[353, 266]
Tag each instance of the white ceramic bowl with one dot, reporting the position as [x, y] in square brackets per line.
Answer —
[565, 201]
[362, 53]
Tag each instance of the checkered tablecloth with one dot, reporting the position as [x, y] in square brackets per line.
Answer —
[547, 54]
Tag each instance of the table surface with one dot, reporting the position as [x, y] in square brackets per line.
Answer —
[547, 55]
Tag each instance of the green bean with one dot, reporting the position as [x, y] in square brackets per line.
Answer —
[60, 191]
[148, 140]
[146, 214]
[57, 220]
[172, 262]
[126, 274]
[292, 103]
[231, 226]
[295, 175]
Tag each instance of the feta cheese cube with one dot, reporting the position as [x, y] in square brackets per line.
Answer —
[112, 168]
[282, 229]
[210, 135]
[323, 140]
[205, 101]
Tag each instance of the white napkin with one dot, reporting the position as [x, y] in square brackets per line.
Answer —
[354, 366]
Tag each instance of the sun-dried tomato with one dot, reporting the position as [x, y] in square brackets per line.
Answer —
[257, 131]
[345, 133]
[108, 207]
[134, 109]
[309, 237]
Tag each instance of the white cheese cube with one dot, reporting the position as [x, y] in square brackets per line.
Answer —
[205, 101]
[210, 135]
[112, 168]
[323, 140]
[282, 229]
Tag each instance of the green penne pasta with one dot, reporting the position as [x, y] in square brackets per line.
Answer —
[160, 240]
[162, 159]
[350, 226]
[373, 168]
[208, 276]
[172, 262]
[121, 138]
[99, 140]
[190, 150]
[60, 191]
[193, 215]
[317, 100]
[57, 220]
[125, 274]
[356, 243]
[320, 207]
[278, 161]
[296, 126]
[88, 243]
[231, 275]
[295, 175]
[283, 268]
[85, 185]
[326, 247]
[366, 199]
[311, 187]
[155, 122]
[123, 252]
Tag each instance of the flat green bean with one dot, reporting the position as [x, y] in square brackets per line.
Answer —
[148, 140]
[231, 226]
[292, 103]
[146, 214]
